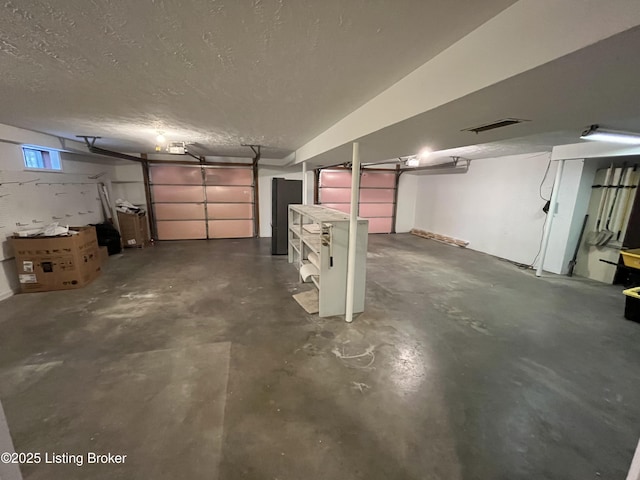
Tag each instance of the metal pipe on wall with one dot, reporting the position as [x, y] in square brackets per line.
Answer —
[111, 153]
[553, 204]
[353, 234]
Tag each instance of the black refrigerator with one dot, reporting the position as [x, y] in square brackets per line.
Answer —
[283, 193]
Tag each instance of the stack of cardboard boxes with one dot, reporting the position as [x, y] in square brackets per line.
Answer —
[58, 263]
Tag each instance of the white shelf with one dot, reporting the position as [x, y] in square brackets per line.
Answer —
[312, 241]
[295, 231]
[323, 234]
[312, 228]
[314, 259]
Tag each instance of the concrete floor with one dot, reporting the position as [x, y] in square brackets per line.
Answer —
[193, 359]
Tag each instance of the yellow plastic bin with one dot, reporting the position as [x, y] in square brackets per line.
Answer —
[631, 258]
[632, 304]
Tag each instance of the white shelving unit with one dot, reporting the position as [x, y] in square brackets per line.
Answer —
[318, 246]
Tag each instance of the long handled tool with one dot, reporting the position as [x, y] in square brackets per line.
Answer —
[620, 208]
[572, 263]
[631, 195]
[607, 233]
[592, 237]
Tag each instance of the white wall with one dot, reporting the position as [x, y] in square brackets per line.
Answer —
[573, 201]
[556, 260]
[128, 184]
[495, 206]
[11, 160]
[407, 196]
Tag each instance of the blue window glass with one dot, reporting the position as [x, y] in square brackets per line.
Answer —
[41, 159]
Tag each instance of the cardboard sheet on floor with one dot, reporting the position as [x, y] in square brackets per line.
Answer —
[308, 300]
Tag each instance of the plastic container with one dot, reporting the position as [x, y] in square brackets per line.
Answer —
[631, 258]
[632, 304]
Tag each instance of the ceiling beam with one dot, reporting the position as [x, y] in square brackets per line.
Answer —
[524, 36]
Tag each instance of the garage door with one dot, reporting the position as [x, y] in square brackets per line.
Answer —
[376, 200]
[200, 202]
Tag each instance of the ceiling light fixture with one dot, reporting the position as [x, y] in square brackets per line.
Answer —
[413, 161]
[594, 132]
[160, 138]
[424, 153]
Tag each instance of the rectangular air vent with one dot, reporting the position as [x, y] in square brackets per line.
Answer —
[505, 122]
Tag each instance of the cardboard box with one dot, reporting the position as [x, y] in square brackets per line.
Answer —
[104, 255]
[133, 229]
[57, 263]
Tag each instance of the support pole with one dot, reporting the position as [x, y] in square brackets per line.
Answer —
[396, 186]
[304, 184]
[553, 204]
[353, 232]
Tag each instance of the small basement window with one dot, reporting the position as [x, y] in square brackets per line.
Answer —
[36, 158]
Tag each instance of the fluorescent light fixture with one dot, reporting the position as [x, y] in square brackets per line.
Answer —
[594, 132]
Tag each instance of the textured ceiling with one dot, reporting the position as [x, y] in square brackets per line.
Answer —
[218, 72]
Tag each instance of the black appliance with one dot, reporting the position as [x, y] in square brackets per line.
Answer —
[283, 193]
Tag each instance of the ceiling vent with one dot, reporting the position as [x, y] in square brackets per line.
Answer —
[505, 122]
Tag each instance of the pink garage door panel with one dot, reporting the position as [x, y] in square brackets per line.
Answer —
[179, 211]
[228, 176]
[378, 180]
[176, 175]
[230, 228]
[335, 195]
[170, 193]
[182, 230]
[234, 211]
[376, 195]
[230, 194]
[368, 210]
[380, 225]
[335, 178]
[343, 207]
